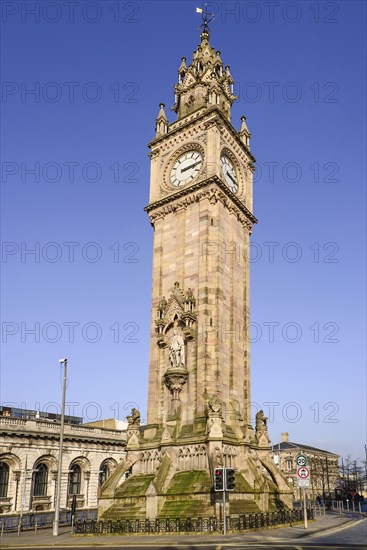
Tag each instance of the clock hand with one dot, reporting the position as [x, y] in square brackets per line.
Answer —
[234, 181]
[191, 166]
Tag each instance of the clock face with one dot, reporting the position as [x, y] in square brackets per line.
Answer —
[229, 174]
[186, 168]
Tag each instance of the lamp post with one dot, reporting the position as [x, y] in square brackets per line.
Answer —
[63, 362]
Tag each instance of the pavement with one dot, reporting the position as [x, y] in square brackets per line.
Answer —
[331, 522]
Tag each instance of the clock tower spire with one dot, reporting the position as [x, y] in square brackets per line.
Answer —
[199, 403]
[205, 83]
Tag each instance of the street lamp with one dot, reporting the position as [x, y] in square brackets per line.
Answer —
[63, 362]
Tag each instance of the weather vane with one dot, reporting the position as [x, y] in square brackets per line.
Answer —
[206, 16]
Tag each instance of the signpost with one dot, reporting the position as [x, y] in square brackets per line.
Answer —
[303, 481]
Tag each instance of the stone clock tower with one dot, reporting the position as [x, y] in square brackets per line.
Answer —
[199, 418]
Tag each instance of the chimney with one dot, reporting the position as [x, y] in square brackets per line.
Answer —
[284, 436]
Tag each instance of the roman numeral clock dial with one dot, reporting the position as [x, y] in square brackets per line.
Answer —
[186, 168]
[229, 174]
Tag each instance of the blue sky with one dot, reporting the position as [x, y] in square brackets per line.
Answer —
[98, 71]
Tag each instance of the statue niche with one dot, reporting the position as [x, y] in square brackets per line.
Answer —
[178, 309]
[174, 328]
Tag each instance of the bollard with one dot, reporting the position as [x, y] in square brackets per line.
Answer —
[353, 506]
[348, 505]
[35, 527]
[2, 527]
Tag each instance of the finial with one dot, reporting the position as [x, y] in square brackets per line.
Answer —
[207, 18]
[161, 122]
[161, 113]
[244, 132]
[243, 125]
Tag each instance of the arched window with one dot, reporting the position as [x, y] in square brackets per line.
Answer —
[104, 473]
[40, 481]
[4, 479]
[75, 476]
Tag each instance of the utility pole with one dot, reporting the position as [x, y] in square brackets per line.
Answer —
[63, 362]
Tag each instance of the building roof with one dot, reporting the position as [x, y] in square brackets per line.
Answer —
[29, 414]
[289, 445]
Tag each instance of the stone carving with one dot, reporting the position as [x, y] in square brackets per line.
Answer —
[218, 457]
[177, 351]
[162, 306]
[215, 406]
[215, 427]
[261, 422]
[190, 299]
[192, 457]
[179, 309]
[174, 381]
[134, 419]
[214, 422]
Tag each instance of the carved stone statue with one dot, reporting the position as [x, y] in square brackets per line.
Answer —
[177, 351]
[189, 296]
[261, 422]
[218, 457]
[161, 309]
[134, 418]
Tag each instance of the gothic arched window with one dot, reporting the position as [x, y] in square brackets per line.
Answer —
[4, 479]
[75, 476]
[40, 481]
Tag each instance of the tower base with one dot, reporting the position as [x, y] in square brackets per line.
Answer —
[170, 479]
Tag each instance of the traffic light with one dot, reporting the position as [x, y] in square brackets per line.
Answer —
[219, 479]
[230, 479]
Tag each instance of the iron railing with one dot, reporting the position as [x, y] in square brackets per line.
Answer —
[44, 519]
[191, 525]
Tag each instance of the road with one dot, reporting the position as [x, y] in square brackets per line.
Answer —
[352, 535]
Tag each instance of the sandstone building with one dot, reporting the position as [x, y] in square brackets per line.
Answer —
[29, 447]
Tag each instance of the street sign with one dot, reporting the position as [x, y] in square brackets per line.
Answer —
[301, 460]
[305, 483]
[303, 472]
